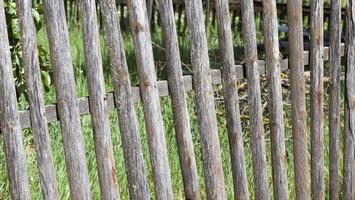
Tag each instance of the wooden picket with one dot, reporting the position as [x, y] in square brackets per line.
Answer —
[310, 181]
[9, 120]
[37, 106]
[68, 111]
[261, 185]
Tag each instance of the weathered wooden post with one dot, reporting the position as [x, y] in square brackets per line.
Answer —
[317, 101]
[206, 115]
[273, 68]
[132, 151]
[150, 99]
[97, 102]
[260, 176]
[68, 110]
[9, 120]
[349, 137]
[235, 134]
[178, 99]
[334, 99]
[37, 107]
[298, 100]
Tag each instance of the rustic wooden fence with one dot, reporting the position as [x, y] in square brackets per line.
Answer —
[309, 171]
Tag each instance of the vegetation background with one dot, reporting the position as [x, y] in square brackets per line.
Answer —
[76, 41]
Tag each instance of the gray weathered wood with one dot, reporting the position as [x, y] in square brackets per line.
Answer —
[124, 100]
[334, 99]
[150, 98]
[97, 102]
[317, 93]
[178, 99]
[273, 68]
[68, 111]
[9, 120]
[205, 107]
[36, 100]
[349, 136]
[260, 176]
[298, 100]
[235, 134]
[51, 110]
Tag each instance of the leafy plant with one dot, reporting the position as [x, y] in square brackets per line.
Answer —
[14, 33]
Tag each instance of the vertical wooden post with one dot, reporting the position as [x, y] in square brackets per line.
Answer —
[206, 115]
[317, 92]
[298, 100]
[235, 134]
[261, 185]
[179, 103]
[97, 102]
[334, 99]
[150, 98]
[149, 6]
[273, 67]
[36, 100]
[133, 155]
[9, 120]
[349, 137]
[68, 111]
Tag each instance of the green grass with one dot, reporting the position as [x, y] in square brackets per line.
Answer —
[79, 70]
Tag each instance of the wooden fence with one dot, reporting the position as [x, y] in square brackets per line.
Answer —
[309, 171]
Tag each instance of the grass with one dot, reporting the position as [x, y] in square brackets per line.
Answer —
[79, 70]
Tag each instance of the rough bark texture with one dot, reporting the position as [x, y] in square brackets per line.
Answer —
[317, 92]
[273, 67]
[97, 101]
[205, 107]
[260, 175]
[298, 100]
[36, 100]
[179, 103]
[9, 120]
[334, 99]
[349, 137]
[235, 134]
[150, 98]
[68, 111]
[133, 155]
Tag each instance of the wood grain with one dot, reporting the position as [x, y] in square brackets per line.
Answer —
[124, 98]
[317, 101]
[298, 100]
[273, 67]
[68, 111]
[150, 99]
[260, 177]
[349, 136]
[334, 99]
[36, 100]
[178, 99]
[205, 107]
[97, 102]
[9, 120]
[234, 127]
[113, 102]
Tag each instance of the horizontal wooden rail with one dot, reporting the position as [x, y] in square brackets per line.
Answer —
[51, 110]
